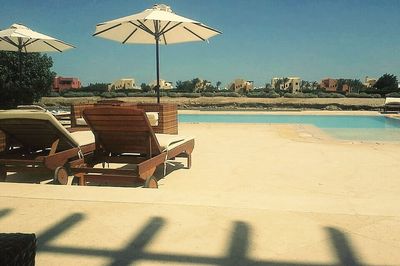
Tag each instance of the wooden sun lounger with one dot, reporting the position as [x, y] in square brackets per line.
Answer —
[124, 135]
[35, 142]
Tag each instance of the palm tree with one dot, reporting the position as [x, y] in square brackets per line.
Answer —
[285, 80]
[278, 84]
[315, 85]
[218, 84]
[304, 85]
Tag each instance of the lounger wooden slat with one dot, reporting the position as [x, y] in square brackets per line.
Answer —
[12, 161]
[167, 122]
[117, 118]
[110, 171]
[117, 128]
[129, 159]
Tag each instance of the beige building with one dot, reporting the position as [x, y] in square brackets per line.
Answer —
[329, 84]
[369, 82]
[122, 84]
[239, 85]
[164, 85]
[289, 83]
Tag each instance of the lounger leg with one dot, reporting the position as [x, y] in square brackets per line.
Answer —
[3, 173]
[189, 161]
[81, 179]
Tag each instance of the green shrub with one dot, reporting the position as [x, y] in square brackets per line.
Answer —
[208, 94]
[263, 94]
[53, 94]
[181, 94]
[300, 95]
[175, 94]
[126, 91]
[107, 94]
[227, 94]
[192, 95]
[112, 94]
[393, 94]
[119, 94]
[363, 95]
[330, 95]
[70, 94]
[143, 94]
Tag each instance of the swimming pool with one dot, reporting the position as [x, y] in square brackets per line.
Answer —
[347, 127]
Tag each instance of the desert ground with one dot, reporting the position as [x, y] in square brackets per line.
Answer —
[240, 102]
[256, 194]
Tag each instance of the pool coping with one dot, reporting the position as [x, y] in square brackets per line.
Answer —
[300, 112]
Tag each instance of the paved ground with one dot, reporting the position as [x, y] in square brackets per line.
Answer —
[256, 195]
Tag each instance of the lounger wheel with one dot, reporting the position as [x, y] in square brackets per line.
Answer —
[151, 182]
[61, 175]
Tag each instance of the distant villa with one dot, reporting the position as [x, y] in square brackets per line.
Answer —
[164, 85]
[65, 83]
[289, 83]
[369, 82]
[240, 85]
[125, 83]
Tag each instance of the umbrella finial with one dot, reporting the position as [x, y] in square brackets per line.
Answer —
[162, 7]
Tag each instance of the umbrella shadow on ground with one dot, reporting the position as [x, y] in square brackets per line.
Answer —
[5, 212]
[236, 249]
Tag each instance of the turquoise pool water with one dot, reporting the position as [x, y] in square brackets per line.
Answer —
[348, 127]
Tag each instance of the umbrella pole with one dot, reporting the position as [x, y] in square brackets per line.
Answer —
[20, 63]
[20, 57]
[158, 69]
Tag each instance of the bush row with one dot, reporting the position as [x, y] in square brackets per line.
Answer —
[363, 95]
[253, 94]
[393, 94]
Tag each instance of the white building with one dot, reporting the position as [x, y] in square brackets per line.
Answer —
[287, 83]
[122, 84]
[369, 82]
[164, 85]
[239, 85]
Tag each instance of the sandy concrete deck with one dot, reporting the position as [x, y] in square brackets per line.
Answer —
[279, 196]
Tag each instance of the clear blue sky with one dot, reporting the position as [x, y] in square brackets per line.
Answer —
[261, 39]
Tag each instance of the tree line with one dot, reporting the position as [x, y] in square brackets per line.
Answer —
[28, 82]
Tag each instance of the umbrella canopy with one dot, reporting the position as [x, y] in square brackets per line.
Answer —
[22, 39]
[154, 26]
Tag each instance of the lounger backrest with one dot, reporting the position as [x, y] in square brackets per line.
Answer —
[122, 129]
[34, 130]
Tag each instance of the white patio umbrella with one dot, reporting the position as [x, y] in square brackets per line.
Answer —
[21, 39]
[154, 26]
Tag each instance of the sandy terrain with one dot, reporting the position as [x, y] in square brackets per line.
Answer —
[280, 103]
[255, 195]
